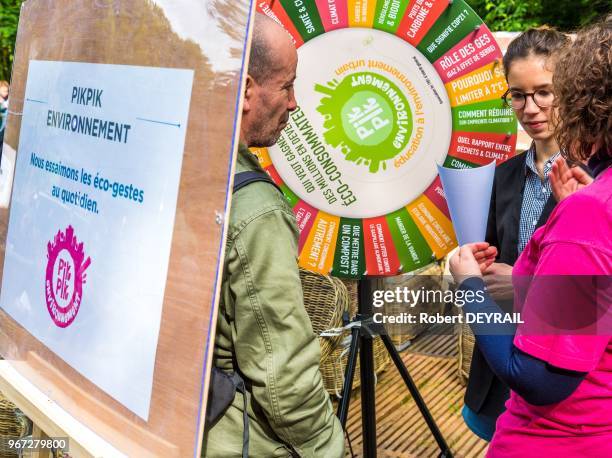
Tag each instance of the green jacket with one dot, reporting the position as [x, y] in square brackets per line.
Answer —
[263, 326]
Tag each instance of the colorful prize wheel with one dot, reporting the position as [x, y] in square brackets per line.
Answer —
[386, 90]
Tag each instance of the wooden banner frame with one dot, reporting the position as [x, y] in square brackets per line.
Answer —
[139, 32]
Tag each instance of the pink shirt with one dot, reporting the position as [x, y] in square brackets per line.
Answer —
[575, 241]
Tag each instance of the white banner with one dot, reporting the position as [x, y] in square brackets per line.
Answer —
[92, 215]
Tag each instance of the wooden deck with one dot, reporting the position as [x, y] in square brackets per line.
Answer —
[401, 431]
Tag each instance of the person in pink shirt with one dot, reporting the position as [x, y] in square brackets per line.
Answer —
[558, 363]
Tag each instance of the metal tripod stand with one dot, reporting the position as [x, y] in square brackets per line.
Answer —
[362, 335]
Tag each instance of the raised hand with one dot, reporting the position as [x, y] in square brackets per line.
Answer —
[565, 181]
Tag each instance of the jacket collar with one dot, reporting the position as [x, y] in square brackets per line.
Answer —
[597, 164]
[247, 160]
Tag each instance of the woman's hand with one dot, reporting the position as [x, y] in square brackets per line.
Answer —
[471, 260]
[484, 254]
[565, 181]
[498, 278]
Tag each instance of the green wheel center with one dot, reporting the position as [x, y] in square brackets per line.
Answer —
[367, 118]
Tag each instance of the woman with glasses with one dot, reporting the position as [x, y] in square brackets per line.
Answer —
[558, 362]
[521, 200]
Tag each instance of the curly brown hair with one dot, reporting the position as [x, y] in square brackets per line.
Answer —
[583, 89]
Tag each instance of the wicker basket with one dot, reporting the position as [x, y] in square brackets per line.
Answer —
[352, 286]
[325, 298]
[333, 367]
[465, 344]
[430, 278]
[13, 424]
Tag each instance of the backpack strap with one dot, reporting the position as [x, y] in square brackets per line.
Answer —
[241, 388]
[243, 179]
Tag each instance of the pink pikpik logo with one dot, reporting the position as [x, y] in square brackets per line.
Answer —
[66, 265]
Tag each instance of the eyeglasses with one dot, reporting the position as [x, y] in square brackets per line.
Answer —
[517, 100]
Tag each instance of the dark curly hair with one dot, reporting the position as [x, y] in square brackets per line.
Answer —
[541, 41]
[583, 88]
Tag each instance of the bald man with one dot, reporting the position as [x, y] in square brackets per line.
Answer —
[263, 331]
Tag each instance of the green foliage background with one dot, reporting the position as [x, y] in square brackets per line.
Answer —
[9, 16]
[510, 15]
[518, 15]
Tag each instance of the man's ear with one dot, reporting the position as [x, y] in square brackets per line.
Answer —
[249, 93]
